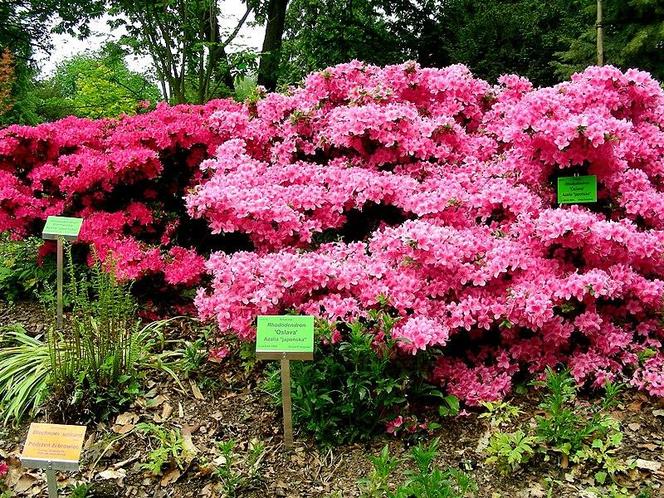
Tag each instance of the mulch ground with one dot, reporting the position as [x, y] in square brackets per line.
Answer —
[225, 402]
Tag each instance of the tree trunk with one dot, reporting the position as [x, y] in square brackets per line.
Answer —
[217, 64]
[271, 54]
[600, 34]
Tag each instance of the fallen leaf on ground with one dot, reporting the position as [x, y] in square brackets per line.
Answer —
[112, 474]
[25, 482]
[166, 411]
[635, 406]
[136, 456]
[648, 465]
[125, 422]
[196, 390]
[170, 477]
[188, 445]
[155, 402]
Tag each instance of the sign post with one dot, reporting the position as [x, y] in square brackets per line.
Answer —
[577, 189]
[53, 447]
[285, 338]
[61, 228]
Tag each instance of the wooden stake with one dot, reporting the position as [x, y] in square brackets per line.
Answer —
[600, 34]
[286, 402]
[60, 271]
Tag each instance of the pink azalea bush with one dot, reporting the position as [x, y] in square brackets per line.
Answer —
[426, 193]
[432, 193]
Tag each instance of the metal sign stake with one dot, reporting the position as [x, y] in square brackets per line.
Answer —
[285, 338]
[61, 228]
[52, 481]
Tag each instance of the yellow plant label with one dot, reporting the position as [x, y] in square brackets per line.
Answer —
[54, 442]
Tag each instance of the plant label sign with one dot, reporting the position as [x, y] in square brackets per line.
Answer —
[577, 189]
[285, 337]
[62, 227]
[53, 446]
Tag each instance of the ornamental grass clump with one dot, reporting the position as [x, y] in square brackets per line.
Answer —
[91, 368]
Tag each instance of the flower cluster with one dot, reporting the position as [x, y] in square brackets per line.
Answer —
[126, 177]
[427, 193]
[433, 194]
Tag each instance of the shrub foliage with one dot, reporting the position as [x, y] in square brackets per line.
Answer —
[426, 192]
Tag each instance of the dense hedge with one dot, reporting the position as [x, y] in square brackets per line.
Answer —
[426, 193]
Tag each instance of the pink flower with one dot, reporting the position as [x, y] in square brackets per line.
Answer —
[393, 425]
[216, 355]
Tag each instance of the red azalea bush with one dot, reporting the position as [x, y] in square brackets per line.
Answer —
[433, 193]
[126, 177]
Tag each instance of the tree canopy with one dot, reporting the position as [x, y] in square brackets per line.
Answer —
[95, 85]
[196, 55]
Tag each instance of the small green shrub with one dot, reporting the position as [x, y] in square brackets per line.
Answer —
[377, 483]
[20, 274]
[430, 482]
[238, 474]
[167, 448]
[351, 388]
[510, 450]
[425, 480]
[582, 434]
[193, 358]
[500, 413]
[601, 454]
[565, 427]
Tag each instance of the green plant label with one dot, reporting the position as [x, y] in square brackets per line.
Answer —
[577, 189]
[62, 226]
[287, 336]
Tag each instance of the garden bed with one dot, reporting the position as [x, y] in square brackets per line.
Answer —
[225, 402]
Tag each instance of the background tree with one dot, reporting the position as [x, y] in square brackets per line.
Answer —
[268, 71]
[321, 33]
[494, 37]
[186, 42]
[6, 81]
[633, 37]
[95, 85]
[25, 26]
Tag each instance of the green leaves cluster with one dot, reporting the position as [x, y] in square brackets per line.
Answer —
[21, 276]
[168, 449]
[576, 433]
[352, 388]
[423, 478]
[95, 85]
